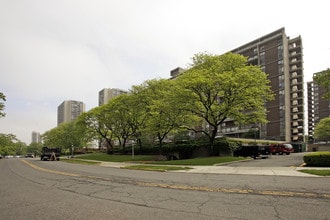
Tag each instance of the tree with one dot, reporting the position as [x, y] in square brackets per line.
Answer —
[2, 104]
[322, 130]
[129, 116]
[164, 114]
[216, 88]
[65, 136]
[10, 145]
[34, 148]
[323, 79]
[52, 138]
[99, 122]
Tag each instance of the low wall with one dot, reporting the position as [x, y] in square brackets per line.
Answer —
[318, 147]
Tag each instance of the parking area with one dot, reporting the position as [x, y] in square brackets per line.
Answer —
[292, 160]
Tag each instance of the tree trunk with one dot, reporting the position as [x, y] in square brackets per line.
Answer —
[140, 144]
[212, 138]
[109, 147]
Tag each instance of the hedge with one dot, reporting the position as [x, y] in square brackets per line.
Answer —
[317, 159]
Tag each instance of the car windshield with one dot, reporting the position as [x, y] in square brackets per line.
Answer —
[288, 146]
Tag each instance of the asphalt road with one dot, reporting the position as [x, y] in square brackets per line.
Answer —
[34, 189]
[292, 160]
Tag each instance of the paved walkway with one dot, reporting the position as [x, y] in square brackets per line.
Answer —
[275, 171]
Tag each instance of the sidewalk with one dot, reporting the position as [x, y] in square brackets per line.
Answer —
[270, 171]
[274, 171]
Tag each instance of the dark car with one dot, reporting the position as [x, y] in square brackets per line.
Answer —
[50, 153]
[253, 151]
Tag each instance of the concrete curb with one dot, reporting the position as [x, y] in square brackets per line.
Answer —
[223, 169]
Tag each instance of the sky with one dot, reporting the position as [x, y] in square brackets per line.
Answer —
[51, 51]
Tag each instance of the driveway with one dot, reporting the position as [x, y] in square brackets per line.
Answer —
[292, 160]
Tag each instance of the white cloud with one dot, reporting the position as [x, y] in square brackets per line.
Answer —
[53, 51]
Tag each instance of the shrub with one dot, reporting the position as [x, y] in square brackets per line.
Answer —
[320, 159]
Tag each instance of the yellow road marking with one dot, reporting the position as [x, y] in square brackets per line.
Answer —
[60, 172]
[195, 188]
[50, 171]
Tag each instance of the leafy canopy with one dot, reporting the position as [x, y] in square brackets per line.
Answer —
[322, 129]
[323, 79]
[217, 88]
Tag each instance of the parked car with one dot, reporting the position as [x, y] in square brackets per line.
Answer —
[253, 151]
[29, 155]
[281, 149]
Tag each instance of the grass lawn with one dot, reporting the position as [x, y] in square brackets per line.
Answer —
[115, 158]
[79, 161]
[155, 168]
[317, 172]
[202, 161]
[150, 159]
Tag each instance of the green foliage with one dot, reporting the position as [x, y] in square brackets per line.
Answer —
[203, 161]
[65, 136]
[317, 159]
[185, 149]
[128, 117]
[2, 104]
[317, 172]
[98, 124]
[219, 87]
[115, 158]
[34, 148]
[156, 168]
[164, 116]
[322, 130]
[323, 79]
[150, 159]
[78, 161]
[212, 90]
[8, 144]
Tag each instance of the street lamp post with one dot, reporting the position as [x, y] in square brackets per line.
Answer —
[72, 149]
[133, 144]
[255, 128]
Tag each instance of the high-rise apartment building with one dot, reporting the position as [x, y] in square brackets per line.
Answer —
[106, 94]
[175, 72]
[36, 137]
[69, 111]
[318, 106]
[282, 59]
[310, 111]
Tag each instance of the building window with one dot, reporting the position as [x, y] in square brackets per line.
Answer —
[281, 82]
[280, 69]
[280, 52]
[263, 68]
[281, 97]
[262, 58]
